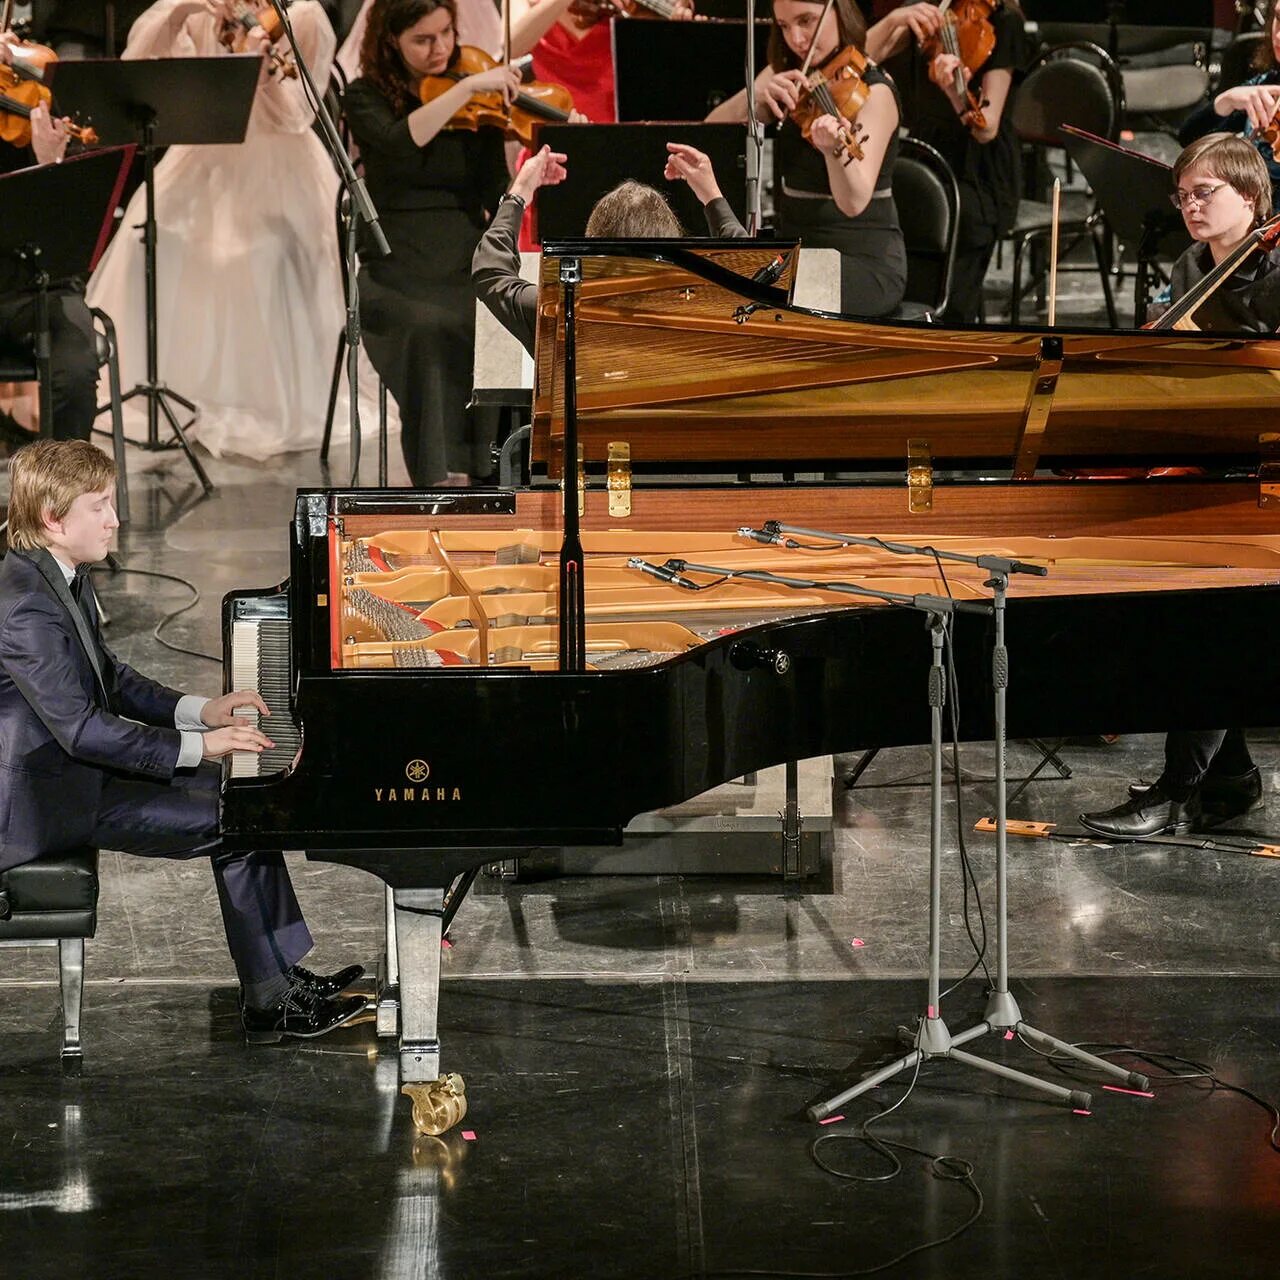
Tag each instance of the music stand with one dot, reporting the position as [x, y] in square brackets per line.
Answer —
[702, 65]
[161, 102]
[603, 155]
[1132, 191]
[37, 250]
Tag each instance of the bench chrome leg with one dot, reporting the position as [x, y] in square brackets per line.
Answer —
[71, 981]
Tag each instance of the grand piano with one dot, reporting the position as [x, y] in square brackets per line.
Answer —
[425, 640]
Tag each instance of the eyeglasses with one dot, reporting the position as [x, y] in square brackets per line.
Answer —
[1197, 195]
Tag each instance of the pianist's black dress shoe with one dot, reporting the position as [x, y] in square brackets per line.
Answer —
[1220, 796]
[300, 1013]
[1154, 813]
[326, 985]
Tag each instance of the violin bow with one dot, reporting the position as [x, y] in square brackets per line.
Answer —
[6, 16]
[506, 32]
[1053, 252]
[808, 57]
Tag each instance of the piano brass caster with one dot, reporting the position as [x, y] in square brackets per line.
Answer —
[437, 1104]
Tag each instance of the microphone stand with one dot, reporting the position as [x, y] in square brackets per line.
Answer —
[755, 130]
[933, 1039]
[360, 207]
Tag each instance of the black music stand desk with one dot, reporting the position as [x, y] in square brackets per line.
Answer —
[162, 102]
[1133, 192]
[37, 250]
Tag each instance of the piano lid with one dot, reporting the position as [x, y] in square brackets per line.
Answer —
[683, 357]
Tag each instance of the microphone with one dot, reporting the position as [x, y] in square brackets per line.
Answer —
[758, 535]
[663, 573]
[771, 272]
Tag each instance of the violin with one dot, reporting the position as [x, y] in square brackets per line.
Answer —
[586, 13]
[241, 18]
[837, 88]
[1179, 316]
[1270, 136]
[966, 33]
[22, 89]
[535, 103]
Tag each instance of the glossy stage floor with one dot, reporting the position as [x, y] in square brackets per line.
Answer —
[639, 1051]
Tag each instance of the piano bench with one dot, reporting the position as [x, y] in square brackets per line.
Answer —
[53, 902]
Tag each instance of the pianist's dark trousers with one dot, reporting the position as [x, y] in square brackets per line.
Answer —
[1192, 754]
[266, 933]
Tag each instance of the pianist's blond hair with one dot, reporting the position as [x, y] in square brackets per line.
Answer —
[1235, 161]
[49, 476]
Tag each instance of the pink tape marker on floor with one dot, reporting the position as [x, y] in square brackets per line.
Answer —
[831, 1120]
[1079, 1111]
[1133, 1093]
[468, 1135]
[857, 942]
[1008, 1035]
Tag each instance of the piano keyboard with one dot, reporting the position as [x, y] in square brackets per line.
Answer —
[260, 660]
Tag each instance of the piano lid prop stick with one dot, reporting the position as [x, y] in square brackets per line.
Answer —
[1053, 252]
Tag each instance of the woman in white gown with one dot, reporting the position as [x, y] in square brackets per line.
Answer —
[250, 291]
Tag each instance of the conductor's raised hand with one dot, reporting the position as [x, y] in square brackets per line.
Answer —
[545, 168]
[235, 737]
[690, 165]
[221, 711]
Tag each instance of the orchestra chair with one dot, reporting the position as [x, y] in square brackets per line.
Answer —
[1070, 84]
[1235, 65]
[16, 366]
[53, 902]
[928, 201]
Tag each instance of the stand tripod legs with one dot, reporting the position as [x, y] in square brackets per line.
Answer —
[159, 397]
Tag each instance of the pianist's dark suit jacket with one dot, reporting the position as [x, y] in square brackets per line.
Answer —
[64, 731]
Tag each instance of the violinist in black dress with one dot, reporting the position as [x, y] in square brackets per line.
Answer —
[981, 148]
[826, 194]
[1223, 189]
[435, 188]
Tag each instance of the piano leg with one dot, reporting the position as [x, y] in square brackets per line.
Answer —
[389, 977]
[439, 1102]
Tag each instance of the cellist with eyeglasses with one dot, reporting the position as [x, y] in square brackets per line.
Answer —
[1223, 190]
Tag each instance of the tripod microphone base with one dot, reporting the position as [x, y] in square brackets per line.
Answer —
[933, 1040]
[158, 399]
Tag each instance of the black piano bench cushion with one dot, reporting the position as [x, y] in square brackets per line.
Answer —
[53, 897]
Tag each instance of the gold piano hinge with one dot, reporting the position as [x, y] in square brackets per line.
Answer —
[582, 483]
[1035, 413]
[1269, 469]
[919, 476]
[619, 478]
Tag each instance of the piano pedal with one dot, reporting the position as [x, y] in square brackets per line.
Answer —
[437, 1104]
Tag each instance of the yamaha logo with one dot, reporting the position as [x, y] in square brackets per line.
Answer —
[417, 771]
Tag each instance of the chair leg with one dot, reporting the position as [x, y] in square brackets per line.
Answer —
[71, 982]
[1015, 298]
[1104, 274]
[334, 383]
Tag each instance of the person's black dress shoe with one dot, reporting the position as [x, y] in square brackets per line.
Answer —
[327, 985]
[1220, 796]
[1151, 814]
[300, 1013]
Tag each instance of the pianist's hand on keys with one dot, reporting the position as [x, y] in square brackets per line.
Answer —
[232, 721]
